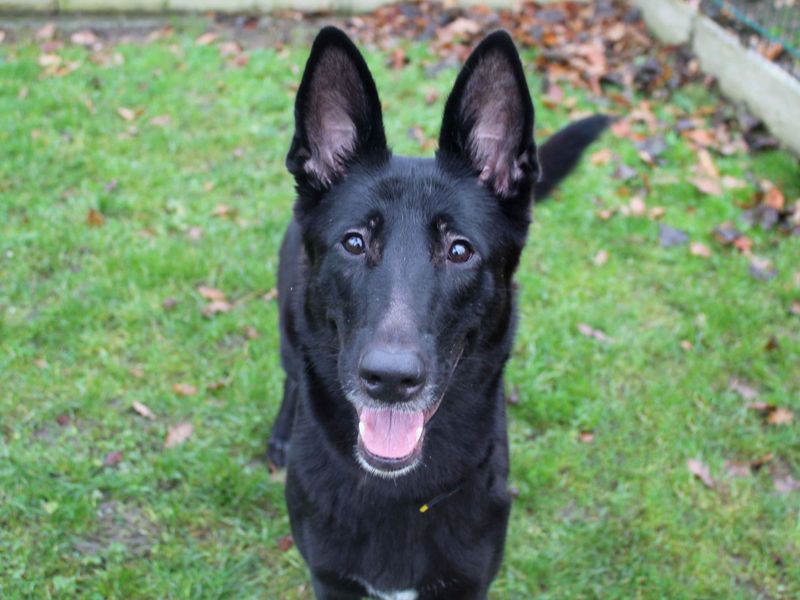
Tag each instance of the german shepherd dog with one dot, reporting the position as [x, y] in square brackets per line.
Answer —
[397, 318]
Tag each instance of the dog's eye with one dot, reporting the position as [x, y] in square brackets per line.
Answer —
[460, 251]
[354, 243]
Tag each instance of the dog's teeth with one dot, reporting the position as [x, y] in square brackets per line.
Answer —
[419, 433]
[361, 428]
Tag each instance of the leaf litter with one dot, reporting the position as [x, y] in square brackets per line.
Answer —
[178, 434]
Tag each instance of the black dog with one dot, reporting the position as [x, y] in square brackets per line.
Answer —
[397, 318]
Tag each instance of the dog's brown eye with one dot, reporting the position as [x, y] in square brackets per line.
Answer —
[460, 251]
[354, 243]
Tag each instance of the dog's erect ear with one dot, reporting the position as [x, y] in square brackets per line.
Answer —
[488, 119]
[337, 112]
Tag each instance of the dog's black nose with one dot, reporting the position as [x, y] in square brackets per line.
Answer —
[391, 373]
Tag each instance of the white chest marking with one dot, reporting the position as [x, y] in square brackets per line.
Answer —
[401, 595]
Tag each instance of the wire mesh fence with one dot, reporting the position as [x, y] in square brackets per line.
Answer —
[771, 26]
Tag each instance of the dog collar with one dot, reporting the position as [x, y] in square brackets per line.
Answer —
[431, 503]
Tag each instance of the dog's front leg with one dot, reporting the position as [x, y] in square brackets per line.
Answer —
[324, 590]
[280, 436]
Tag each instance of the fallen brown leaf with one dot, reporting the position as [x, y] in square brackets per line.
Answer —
[512, 397]
[772, 344]
[49, 61]
[743, 244]
[669, 237]
[128, 114]
[141, 409]
[206, 39]
[701, 137]
[46, 32]
[160, 121]
[686, 345]
[762, 407]
[731, 183]
[737, 469]
[593, 333]
[285, 543]
[112, 459]
[229, 48]
[600, 258]
[745, 469]
[586, 437]
[84, 37]
[217, 306]
[94, 218]
[773, 198]
[706, 164]
[786, 484]
[761, 268]
[210, 293]
[178, 434]
[706, 185]
[698, 249]
[637, 206]
[271, 295]
[239, 61]
[398, 58]
[622, 128]
[223, 211]
[169, 303]
[184, 389]
[601, 157]
[458, 28]
[744, 390]
[780, 416]
[701, 472]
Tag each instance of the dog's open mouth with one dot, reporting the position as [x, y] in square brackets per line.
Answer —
[390, 440]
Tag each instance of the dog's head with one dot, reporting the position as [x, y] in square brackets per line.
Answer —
[410, 261]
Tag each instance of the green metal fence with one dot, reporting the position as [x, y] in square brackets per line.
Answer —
[775, 23]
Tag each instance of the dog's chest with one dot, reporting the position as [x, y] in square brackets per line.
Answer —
[384, 595]
[392, 554]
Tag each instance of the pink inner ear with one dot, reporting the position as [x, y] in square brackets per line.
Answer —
[332, 143]
[336, 94]
[492, 101]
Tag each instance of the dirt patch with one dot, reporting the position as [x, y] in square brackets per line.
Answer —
[120, 524]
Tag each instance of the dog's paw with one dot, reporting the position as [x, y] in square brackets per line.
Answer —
[277, 451]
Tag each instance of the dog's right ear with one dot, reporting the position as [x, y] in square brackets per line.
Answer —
[337, 113]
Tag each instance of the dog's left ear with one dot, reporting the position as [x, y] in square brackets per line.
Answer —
[488, 119]
[337, 113]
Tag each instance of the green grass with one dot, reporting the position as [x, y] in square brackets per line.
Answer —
[83, 334]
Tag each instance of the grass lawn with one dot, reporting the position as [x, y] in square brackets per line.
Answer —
[110, 220]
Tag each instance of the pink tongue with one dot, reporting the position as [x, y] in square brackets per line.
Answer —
[390, 433]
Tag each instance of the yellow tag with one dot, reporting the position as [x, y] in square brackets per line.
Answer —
[423, 508]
